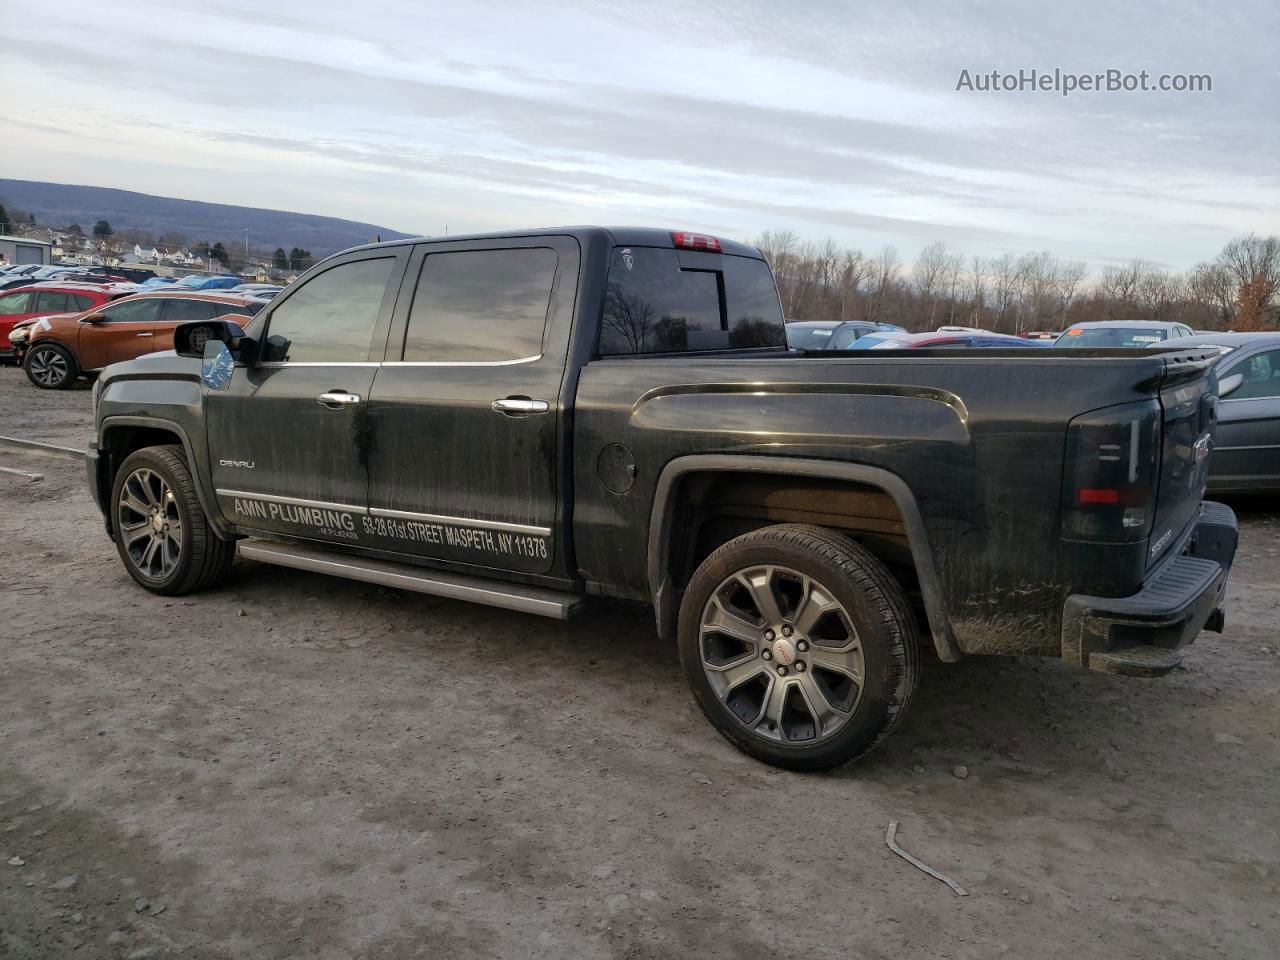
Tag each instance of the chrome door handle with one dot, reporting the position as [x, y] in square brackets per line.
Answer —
[517, 405]
[146, 334]
[337, 398]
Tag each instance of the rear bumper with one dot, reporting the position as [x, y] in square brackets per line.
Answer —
[1141, 635]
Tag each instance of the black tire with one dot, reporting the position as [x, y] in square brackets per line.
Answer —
[203, 558]
[872, 606]
[51, 366]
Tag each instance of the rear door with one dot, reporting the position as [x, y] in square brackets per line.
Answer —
[1247, 448]
[180, 310]
[288, 436]
[465, 419]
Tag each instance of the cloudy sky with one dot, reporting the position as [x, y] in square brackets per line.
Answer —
[834, 120]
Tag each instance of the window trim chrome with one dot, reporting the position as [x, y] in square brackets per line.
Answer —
[318, 363]
[462, 363]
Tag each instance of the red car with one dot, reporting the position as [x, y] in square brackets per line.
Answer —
[45, 299]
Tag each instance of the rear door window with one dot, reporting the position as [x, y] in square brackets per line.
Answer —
[481, 306]
[52, 303]
[79, 301]
[184, 311]
[657, 303]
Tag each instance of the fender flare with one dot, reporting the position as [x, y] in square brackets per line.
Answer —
[207, 503]
[663, 592]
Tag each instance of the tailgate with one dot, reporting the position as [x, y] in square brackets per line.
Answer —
[1188, 398]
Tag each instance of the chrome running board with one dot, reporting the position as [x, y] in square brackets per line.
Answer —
[493, 593]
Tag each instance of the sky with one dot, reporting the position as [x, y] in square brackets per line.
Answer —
[834, 120]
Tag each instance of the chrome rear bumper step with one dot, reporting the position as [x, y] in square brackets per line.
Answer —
[493, 593]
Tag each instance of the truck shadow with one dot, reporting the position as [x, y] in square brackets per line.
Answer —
[1025, 717]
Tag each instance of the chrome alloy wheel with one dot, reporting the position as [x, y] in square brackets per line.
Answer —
[782, 653]
[149, 523]
[48, 367]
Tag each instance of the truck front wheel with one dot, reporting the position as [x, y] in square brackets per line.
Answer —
[160, 530]
[799, 645]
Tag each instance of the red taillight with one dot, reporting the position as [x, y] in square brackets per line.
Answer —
[696, 241]
[1110, 472]
[1099, 495]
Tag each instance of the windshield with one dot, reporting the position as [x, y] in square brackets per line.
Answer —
[807, 338]
[1101, 337]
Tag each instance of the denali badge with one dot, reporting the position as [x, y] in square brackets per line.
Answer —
[242, 464]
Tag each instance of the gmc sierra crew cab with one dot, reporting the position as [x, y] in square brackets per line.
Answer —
[529, 419]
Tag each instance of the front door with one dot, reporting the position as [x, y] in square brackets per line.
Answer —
[127, 330]
[1246, 450]
[465, 420]
[288, 434]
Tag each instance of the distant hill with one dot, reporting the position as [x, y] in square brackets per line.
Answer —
[60, 204]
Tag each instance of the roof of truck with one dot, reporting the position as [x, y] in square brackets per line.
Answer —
[619, 236]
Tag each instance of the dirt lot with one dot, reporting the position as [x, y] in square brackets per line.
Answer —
[293, 766]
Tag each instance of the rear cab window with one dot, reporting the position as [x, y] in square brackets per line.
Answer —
[661, 300]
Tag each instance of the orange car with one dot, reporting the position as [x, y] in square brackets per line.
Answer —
[62, 347]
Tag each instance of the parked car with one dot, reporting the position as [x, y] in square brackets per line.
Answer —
[950, 341]
[101, 293]
[31, 302]
[830, 334]
[1246, 450]
[552, 415]
[263, 291]
[60, 348]
[1106, 334]
[203, 282]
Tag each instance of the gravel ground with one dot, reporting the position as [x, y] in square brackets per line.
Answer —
[295, 766]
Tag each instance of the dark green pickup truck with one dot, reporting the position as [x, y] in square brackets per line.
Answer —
[529, 419]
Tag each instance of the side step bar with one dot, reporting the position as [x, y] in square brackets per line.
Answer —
[494, 593]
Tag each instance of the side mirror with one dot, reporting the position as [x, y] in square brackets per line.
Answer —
[189, 339]
[94, 318]
[1230, 384]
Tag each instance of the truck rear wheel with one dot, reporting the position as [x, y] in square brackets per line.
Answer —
[160, 529]
[799, 645]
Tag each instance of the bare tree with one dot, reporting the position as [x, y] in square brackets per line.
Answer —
[1071, 277]
[928, 275]
[884, 277]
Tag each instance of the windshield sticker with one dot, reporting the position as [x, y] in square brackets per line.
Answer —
[1144, 338]
[627, 260]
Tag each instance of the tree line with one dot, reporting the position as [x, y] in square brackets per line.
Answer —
[1236, 290]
